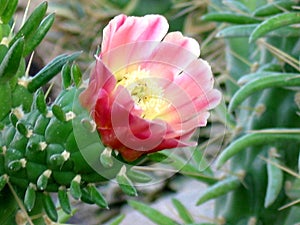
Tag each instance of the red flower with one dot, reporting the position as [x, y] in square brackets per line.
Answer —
[149, 90]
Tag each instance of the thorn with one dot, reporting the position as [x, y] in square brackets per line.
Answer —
[4, 149]
[70, 115]
[66, 155]
[19, 113]
[23, 162]
[49, 114]
[43, 145]
[89, 124]
[123, 171]
[77, 179]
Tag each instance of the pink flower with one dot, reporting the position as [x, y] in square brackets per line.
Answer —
[149, 90]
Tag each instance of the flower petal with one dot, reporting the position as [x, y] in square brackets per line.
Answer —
[101, 78]
[124, 30]
[173, 55]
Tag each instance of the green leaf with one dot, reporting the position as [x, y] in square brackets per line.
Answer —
[75, 189]
[97, 197]
[8, 208]
[58, 113]
[275, 80]
[182, 211]
[76, 75]
[274, 23]
[9, 11]
[275, 180]
[3, 181]
[267, 136]
[186, 168]
[30, 197]
[125, 183]
[39, 35]
[6, 100]
[274, 8]
[246, 31]
[50, 207]
[138, 176]
[64, 200]
[3, 4]
[230, 17]
[66, 76]
[50, 70]
[252, 76]
[10, 64]
[220, 188]
[153, 214]
[118, 220]
[31, 23]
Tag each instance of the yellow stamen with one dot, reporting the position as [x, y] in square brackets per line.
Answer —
[144, 90]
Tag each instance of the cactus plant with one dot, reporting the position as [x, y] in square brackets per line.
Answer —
[39, 151]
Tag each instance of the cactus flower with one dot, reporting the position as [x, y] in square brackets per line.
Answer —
[148, 90]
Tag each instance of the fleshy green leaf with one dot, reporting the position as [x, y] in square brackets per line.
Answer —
[220, 188]
[267, 136]
[182, 211]
[275, 80]
[274, 23]
[153, 214]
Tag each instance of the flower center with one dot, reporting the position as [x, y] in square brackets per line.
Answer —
[146, 93]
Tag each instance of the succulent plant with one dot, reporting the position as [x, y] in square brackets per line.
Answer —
[39, 150]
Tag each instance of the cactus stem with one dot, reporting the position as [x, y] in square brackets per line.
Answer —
[89, 124]
[70, 115]
[19, 113]
[42, 145]
[66, 155]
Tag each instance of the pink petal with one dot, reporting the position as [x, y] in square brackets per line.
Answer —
[187, 43]
[124, 30]
[101, 78]
[134, 132]
[172, 55]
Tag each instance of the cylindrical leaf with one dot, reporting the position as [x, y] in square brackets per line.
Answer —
[30, 196]
[220, 188]
[50, 207]
[64, 200]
